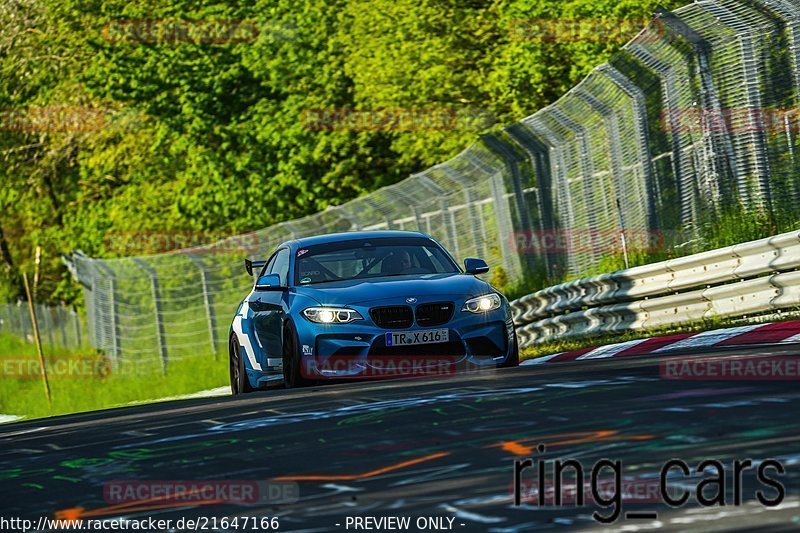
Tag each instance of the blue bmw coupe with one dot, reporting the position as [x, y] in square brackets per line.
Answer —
[369, 304]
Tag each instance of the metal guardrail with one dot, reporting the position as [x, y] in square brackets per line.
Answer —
[749, 278]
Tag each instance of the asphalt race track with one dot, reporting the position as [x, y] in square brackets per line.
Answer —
[421, 448]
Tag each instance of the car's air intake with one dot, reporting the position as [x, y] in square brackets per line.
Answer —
[392, 317]
[434, 314]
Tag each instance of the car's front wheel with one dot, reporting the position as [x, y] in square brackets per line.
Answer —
[239, 382]
[292, 362]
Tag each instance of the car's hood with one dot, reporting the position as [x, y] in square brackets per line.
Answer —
[416, 286]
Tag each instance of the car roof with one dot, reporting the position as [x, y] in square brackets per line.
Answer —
[352, 236]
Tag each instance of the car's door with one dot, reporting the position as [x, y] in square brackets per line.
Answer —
[270, 309]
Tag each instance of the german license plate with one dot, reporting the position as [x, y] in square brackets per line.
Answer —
[408, 338]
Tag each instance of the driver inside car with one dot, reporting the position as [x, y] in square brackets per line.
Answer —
[396, 263]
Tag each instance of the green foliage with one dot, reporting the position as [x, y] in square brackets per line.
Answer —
[737, 224]
[199, 135]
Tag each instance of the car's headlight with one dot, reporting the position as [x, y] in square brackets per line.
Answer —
[331, 315]
[482, 304]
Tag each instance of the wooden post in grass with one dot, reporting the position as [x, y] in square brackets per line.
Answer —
[36, 337]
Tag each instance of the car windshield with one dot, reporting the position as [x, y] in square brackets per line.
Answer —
[371, 258]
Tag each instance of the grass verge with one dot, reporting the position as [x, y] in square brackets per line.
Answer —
[83, 380]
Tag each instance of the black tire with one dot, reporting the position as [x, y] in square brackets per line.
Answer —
[239, 382]
[513, 359]
[292, 371]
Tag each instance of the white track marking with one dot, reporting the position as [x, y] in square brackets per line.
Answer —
[708, 338]
[538, 360]
[790, 340]
[611, 350]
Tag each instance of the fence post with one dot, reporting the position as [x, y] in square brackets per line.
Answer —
[504, 225]
[156, 292]
[208, 303]
[435, 191]
[722, 154]
[512, 162]
[411, 205]
[539, 156]
[62, 318]
[78, 337]
[789, 12]
[112, 311]
[449, 228]
[116, 341]
[341, 212]
[19, 326]
[16, 321]
[477, 224]
[752, 144]
[455, 177]
[679, 162]
[384, 213]
[417, 218]
[44, 311]
[640, 124]
[614, 148]
[564, 212]
[9, 324]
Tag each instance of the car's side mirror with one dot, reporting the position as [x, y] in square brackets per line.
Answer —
[475, 266]
[269, 282]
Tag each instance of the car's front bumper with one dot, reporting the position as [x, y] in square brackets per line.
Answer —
[359, 350]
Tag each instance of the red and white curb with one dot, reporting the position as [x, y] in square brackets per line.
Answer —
[772, 333]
